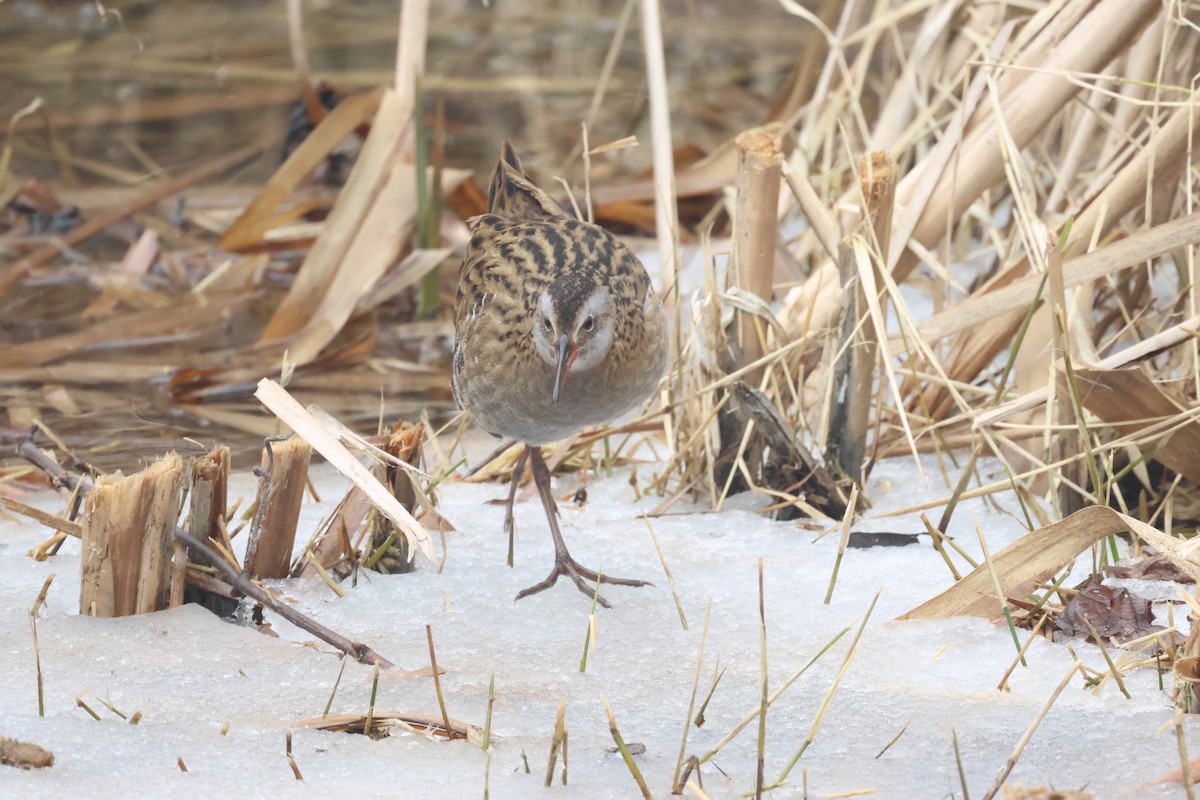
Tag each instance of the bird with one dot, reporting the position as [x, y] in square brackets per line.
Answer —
[557, 327]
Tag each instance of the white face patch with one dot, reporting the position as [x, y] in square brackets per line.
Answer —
[594, 338]
[543, 339]
[594, 307]
[546, 307]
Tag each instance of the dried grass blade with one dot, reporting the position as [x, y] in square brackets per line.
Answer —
[250, 226]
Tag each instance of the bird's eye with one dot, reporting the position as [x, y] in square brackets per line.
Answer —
[588, 324]
[546, 324]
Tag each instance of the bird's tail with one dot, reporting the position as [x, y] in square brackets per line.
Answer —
[513, 195]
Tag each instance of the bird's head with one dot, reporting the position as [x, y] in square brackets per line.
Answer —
[573, 327]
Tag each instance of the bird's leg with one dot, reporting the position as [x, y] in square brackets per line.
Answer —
[583, 577]
[509, 527]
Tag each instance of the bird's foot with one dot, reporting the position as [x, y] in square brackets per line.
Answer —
[585, 579]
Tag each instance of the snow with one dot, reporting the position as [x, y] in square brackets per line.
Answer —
[189, 673]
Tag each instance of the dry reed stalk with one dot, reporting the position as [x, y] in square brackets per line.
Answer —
[1151, 346]
[283, 475]
[625, 754]
[855, 370]
[49, 520]
[1151, 165]
[666, 216]
[798, 90]
[1017, 295]
[1088, 46]
[127, 542]
[331, 543]
[299, 51]
[755, 224]
[185, 320]
[557, 740]
[1033, 726]
[326, 266]
[687, 720]
[256, 217]
[410, 53]
[822, 222]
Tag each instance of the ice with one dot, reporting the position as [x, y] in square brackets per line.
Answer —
[189, 673]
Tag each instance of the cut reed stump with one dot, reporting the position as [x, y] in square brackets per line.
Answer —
[403, 444]
[206, 520]
[128, 540]
[758, 445]
[755, 230]
[284, 476]
[857, 365]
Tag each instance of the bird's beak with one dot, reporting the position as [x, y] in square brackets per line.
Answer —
[567, 350]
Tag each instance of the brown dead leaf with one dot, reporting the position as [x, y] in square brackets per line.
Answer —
[1115, 613]
[1155, 568]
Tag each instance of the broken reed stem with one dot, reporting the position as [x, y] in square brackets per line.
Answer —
[328, 579]
[337, 682]
[718, 673]
[962, 775]
[729, 737]
[936, 536]
[625, 754]
[687, 720]
[1016, 753]
[762, 666]
[823, 223]
[38, 604]
[845, 536]
[291, 758]
[437, 683]
[1020, 657]
[667, 571]
[816, 724]
[374, 693]
[666, 217]
[755, 230]
[206, 504]
[487, 728]
[987, 558]
[1107, 657]
[894, 739]
[1185, 764]
[960, 487]
[556, 741]
[854, 372]
[589, 636]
